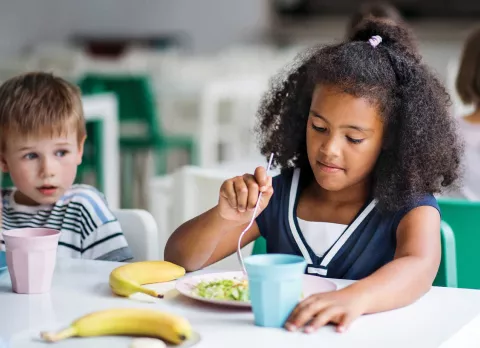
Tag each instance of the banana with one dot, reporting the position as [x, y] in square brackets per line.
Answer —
[129, 322]
[128, 279]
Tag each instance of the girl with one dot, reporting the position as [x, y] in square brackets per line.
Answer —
[363, 137]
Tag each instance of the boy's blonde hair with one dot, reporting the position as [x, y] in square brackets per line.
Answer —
[468, 79]
[39, 104]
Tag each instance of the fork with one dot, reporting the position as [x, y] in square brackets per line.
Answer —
[239, 245]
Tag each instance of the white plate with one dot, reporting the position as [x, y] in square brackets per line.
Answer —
[186, 285]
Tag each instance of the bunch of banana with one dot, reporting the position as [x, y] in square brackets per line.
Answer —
[129, 322]
[128, 279]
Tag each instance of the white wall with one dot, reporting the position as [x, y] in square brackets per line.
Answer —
[211, 24]
[20, 22]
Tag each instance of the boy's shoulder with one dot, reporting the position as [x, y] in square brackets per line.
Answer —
[80, 193]
[89, 200]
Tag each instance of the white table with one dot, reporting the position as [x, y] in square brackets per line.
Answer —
[80, 287]
[104, 107]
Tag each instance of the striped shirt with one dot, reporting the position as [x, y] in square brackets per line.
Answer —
[88, 229]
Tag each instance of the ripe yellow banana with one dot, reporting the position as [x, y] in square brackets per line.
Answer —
[128, 279]
[128, 322]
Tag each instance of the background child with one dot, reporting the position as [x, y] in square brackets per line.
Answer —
[468, 87]
[374, 9]
[42, 133]
[362, 133]
[384, 11]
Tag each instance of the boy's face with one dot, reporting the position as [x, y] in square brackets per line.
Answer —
[42, 168]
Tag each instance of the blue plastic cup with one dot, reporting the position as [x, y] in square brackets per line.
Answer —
[3, 262]
[275, 286]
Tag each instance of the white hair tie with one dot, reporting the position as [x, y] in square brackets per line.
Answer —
[375, 40]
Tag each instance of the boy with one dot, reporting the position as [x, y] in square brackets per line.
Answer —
[42, 133]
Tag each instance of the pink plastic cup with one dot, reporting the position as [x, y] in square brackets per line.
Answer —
[31, 257]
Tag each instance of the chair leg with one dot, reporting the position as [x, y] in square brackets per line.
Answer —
[143, 175]
[99, 160]
[193, 154]
[127, 179]
[160, 160]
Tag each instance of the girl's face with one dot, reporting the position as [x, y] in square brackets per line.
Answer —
[344, 138]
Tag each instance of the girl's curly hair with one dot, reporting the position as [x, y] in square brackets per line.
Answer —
[422, 149]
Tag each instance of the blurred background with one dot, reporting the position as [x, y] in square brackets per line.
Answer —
[171, 87]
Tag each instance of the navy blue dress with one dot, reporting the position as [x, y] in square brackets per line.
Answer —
[367, 244]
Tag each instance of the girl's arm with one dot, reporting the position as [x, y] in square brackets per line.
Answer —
[213, 235]
[206, 239]
[397, 284]
[412, 272]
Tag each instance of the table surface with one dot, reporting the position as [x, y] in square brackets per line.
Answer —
[81, 286]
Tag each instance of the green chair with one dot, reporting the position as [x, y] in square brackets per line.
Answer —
[447, 272]
[92, 160]
[464, 218]
[140, 130]
[137, 112]
[259, 246]
[6, 181]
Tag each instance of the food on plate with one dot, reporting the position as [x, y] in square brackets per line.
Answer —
[223, 289]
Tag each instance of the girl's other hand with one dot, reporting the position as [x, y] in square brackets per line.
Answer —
[338, 307]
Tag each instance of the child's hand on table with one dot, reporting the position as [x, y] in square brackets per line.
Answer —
[339, 307]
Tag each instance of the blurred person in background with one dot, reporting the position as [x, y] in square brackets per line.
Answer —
[381, 10]
[375, 9]
[468, 88]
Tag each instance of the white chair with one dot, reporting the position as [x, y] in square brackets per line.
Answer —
[195, 190]
[160, 206]
[182, 195]
[140, 230]
[188, 192]
[232, 128]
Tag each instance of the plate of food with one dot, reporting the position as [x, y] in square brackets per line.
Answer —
[231, 288]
